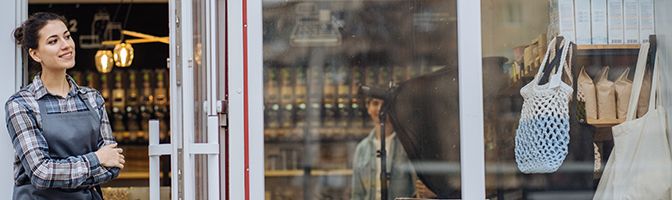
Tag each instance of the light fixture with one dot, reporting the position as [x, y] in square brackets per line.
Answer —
[123, 54]
[104, 61]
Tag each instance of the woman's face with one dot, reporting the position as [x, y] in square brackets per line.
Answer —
[55, 47]
[373, 107]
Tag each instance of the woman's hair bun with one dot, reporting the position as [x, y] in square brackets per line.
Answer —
[18, 35]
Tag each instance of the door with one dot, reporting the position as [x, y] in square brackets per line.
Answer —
[195, 107]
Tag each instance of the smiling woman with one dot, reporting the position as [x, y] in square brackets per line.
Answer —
[60, 131]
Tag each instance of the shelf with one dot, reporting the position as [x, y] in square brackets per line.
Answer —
[608, 50]
[316, 134]
[135, 175]
[601, 123]
[291, 173]
[608, 47]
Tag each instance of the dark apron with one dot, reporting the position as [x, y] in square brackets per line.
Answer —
[67, 134]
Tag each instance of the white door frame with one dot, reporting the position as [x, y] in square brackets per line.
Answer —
[246, 125]
[472, 152]
[12, 14]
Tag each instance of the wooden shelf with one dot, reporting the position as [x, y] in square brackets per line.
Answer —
[608, 47]
[290, 173]
[600, 123]
[316, 134]
[135, 175]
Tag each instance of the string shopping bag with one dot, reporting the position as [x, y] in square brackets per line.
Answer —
[542, 136]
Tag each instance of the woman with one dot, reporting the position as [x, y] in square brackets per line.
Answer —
[60, 131]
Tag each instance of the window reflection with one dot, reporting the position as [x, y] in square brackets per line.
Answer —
[316, 55]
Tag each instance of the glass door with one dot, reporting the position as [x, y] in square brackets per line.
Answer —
[195, 127]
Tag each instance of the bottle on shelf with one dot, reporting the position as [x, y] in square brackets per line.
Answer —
[343, 97]
[315, 89]
[360, 116]
[131, 111]
[161, 105]
[106, 92]
[300, 97]
[92, 81]
[271, 99]
[328, 99]
[286, 97]
[118, 105]
[146, 102]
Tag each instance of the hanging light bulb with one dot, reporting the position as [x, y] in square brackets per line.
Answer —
[123, 54]
[104, 61]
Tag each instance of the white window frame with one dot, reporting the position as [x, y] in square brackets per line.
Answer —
[470, 86]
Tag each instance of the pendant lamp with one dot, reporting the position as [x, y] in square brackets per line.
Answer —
[123, 54]
[104, 61]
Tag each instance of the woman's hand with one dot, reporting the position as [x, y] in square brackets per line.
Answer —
[110, 156]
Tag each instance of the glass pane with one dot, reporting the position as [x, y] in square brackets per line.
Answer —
[320, 130]
[201, 66]
[546, 142]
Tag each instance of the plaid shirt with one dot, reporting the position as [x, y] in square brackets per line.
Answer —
[32, 151]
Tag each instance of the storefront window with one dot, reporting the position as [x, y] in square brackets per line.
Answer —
[319, 127]
[547, 139]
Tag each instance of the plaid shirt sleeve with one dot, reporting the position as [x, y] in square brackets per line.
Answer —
[32, 150]
[103, 174]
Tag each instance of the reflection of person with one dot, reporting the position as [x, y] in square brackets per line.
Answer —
[366, 172]
[60, 131]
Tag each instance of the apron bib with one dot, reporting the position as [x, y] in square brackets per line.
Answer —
[67, 134]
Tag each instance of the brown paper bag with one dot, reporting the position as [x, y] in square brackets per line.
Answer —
[606, 96]
[586, 94]
[643, 103]
[623, 87]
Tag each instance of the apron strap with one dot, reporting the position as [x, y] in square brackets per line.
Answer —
[100, 192]
[88, 105]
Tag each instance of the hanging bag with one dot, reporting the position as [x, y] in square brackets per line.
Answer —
[586, 95]
[606, 96]
[639, 164]
[542, 136]
[623, 88]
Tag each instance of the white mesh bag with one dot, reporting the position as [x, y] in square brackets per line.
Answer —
[542, 136]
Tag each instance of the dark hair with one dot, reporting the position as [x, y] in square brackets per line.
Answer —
[27, 34]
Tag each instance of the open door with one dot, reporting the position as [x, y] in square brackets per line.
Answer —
[195, 123]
